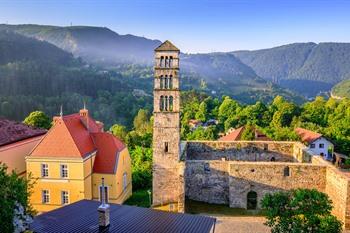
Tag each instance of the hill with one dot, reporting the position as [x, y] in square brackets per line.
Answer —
[94, 44]
[215, 73]
[308, 68]
[36, 75]
[342, 89]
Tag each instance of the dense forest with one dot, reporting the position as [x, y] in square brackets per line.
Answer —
[307, 68]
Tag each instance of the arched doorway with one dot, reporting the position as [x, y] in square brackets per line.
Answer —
[252, 200]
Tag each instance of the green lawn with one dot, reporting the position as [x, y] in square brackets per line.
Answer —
[197, 207]
[139, 198]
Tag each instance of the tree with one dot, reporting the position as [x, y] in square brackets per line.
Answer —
[142, 122]
[300, 210]
[141, 167]
[119, 131]
[227, 109]
[202, 113]
[248, 132]
[38, 119]
[14, 201]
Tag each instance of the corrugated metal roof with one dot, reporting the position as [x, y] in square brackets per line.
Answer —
[82, 216]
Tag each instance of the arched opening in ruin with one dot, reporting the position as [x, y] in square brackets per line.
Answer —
[252, 200]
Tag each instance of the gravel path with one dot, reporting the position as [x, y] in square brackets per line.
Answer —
[241, 225]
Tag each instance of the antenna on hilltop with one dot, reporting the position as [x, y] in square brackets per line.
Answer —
[84, 105]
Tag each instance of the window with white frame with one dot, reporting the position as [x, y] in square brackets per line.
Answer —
[321, 145]
[45, 196]
[64, 170]
[44, 170]
[125, 180]
[312, 146]
[64, 197]
[106, 194]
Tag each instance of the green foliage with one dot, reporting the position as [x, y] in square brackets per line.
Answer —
[13, 189]
[140, 198]
[201, 133]
[141, 167]
[277, 119]
[248, 132]
[38, 119]
[300, 210]
[342, 89]
[119, 131]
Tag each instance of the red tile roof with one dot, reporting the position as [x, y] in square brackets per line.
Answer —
[234, 135]
[69, 137]
[12, 131]
[108, 149]
[307, 135]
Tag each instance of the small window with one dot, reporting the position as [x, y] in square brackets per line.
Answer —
[321, 145]
[125, 180]
[312, 146]
[166, 147]
[64, 197]
[286, 171]
[273, 159]
[106, 194]
[44, 170]
[45, 196]
[64, 170]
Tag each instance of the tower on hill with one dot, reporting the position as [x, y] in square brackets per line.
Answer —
[166, 129]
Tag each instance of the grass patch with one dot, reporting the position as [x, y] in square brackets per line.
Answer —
[197, 207]
[139, 198]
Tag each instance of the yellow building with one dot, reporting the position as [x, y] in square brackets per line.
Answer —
[72, 158]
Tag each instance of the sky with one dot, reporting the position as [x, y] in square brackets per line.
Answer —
[196, 25]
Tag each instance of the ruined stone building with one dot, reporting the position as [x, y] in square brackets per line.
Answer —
[235, 173]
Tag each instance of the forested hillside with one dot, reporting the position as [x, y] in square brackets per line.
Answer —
[304, 67]
[342, 89]
[35, 75]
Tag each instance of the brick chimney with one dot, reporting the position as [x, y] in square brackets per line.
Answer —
[84, 116]
[103, 211]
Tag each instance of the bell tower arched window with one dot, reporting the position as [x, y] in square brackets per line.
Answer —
[161, 103]
[171, 103]
[161, 63]
[170, 61]
[166, 103]
[170, 82]
[161, 80]
[166, 82]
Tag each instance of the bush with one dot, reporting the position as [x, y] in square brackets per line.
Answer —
[300, 210]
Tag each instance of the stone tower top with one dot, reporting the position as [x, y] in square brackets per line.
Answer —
[167, 46]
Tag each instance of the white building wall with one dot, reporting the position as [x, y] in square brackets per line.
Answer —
[318, 146]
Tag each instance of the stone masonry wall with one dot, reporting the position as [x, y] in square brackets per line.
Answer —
[207, 181]
[338, 189]
[224, 182]
[241, 151]
[264, 178]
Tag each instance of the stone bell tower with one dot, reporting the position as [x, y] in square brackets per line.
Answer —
[166, 128]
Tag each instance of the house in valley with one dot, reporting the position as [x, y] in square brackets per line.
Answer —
[316, 142]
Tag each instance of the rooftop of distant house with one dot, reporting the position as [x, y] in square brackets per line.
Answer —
[307, 136]
[236, 134]
[13, 131]
[82, 216]
[79, 136]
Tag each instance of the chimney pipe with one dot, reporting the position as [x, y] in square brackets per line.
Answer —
[103, 211]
